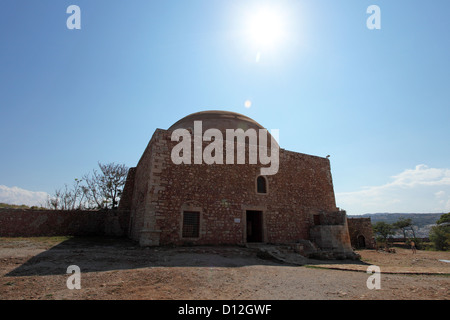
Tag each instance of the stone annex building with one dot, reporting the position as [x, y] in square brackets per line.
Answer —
[202, 204]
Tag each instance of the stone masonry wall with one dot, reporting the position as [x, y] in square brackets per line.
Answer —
[127, 193]
[35, 223]
[361, 227]
[222, 194]
[143, 226]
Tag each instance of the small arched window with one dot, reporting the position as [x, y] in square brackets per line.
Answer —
[261, 185]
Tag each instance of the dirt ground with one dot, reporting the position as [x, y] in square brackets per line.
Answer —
[36, 268]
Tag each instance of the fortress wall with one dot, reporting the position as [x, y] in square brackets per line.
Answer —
[40, 223]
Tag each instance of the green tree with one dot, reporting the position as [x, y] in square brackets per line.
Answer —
[440, 234]
[383, 229]
[403, 224]
[445, 218]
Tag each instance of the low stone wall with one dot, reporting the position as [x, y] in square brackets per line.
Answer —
[38, 223]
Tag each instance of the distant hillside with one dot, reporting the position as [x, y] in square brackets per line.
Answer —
[422, 221]
[15, 206]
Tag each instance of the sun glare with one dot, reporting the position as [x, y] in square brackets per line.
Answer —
[266, 27]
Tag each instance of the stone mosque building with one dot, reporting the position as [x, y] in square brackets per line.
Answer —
[232, 204]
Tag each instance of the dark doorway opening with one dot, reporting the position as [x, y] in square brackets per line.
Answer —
[317, 220]
[254, 226]
[361, 242]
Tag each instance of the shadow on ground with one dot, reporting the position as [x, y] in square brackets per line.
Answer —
[107, 254]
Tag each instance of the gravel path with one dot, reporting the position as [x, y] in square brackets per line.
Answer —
[111, 269]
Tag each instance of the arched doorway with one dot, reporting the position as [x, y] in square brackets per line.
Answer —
[361, 242]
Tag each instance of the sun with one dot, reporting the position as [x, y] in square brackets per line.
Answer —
[266, 27]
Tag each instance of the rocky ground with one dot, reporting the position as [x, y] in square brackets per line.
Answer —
[36, 268]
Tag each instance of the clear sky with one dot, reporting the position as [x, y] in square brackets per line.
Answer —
[377, 101]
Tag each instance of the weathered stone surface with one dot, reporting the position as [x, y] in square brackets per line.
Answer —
[34, 223]
[298, 207]
[223, 193]
[302, 187]
[361, 233]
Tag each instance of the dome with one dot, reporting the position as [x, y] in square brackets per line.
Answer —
[216, 119]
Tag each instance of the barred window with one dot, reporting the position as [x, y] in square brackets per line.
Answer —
[191, 224]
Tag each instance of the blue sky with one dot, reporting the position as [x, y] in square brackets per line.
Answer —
[377, 101]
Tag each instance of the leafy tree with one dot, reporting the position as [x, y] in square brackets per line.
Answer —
[383, 229]
[445, 218]
[440, 234]
[403, 224]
